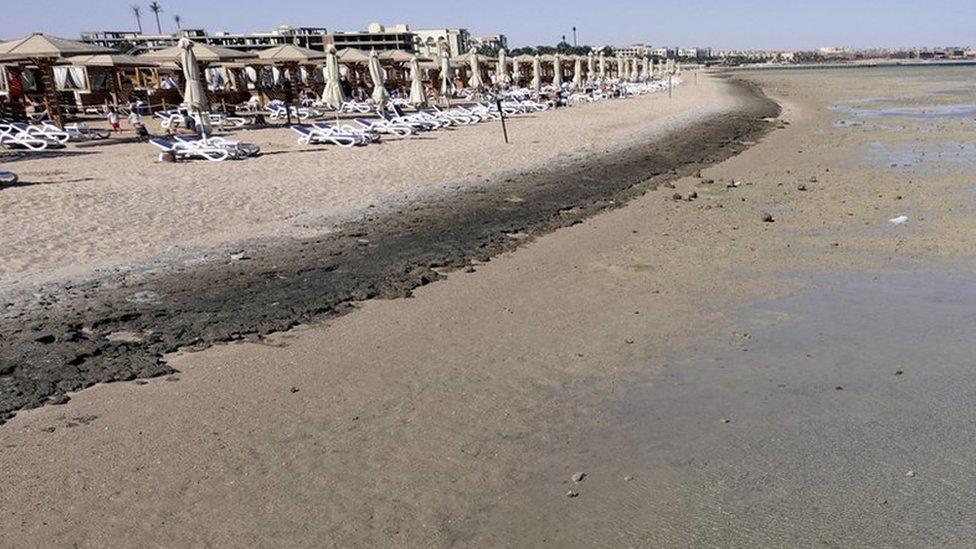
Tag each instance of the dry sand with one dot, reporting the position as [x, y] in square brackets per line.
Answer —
[113, 205]
[458, 418]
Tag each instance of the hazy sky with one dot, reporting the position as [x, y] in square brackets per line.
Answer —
[761, 24]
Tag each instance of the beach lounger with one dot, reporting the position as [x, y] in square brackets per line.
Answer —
[170, 119]
[236, 149]
[185, 151]
[78, 131]
[385, 126]
[309, 135]
[11, 138]
[52, 134]
[368, 135]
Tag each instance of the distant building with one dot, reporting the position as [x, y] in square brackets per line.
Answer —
[494, 41]
[457, 41]
[376, 37]
[633, 50]
[306, 37]
[694, 53]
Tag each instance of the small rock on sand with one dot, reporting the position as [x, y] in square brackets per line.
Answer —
[768, 218]
[910, 473]
[572, 494]
[801, 187]
[578, 477]
[676, 196]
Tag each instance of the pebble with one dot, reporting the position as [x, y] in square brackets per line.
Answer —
[726, 420]
[58, 400]
[899, 372]
[294, 389]
[693, 195]
[578, 477]
[572, 494]
[801, 187]
[910, 473]
[676, 196]
[628, 479]
[768, 218]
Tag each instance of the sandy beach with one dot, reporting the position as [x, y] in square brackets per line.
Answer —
[112, 205]
[753, 355]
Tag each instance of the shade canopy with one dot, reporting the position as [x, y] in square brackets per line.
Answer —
[112, 60]
[466, 57]
[204, 53]
[290, 53]
[557, 71]
[41, 46]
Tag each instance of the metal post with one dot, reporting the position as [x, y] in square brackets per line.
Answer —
[669, 86]
[501, 113]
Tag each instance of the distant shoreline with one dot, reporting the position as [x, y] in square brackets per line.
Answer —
[866, 65]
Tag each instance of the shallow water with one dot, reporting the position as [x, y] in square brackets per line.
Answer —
[848, 404]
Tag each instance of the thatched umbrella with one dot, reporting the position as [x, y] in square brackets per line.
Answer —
[380, 96]
[503, 78]
[44, 51]
[332, 95]
[417, 96]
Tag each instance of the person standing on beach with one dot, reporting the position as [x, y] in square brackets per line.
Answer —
[113, 120]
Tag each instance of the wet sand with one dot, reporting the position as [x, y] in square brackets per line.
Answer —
[721, 380]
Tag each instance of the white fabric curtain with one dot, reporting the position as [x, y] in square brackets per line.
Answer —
[70, 78]
[3, 79]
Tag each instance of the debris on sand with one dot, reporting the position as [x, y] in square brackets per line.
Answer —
[899, 220]
[733, 184]
[801, 187]
[578, 477]
[676, 197]
[768, 218]
[910, 473]
[726, 420]
[693, 195]
[572, 494]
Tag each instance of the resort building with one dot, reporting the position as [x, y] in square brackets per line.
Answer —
[494, 41]
[376, 37]
[458, 41]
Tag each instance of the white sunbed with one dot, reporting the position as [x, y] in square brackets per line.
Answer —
[184, 151]
[310, 135]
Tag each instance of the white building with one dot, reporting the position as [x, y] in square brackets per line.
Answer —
[458, 41]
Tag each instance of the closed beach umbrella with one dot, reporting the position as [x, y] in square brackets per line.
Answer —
[634, 70]
[332, 96]
[515, 70]
[645, 69]
[417, 96]
[590, 67]
[603, 66]
[578, 73]
[474, 82]
[677, 68]
[557, 71]
[536, 74]
[503, 78]
[622, 70]
[193, 94]
[447, 83]
[380, 95]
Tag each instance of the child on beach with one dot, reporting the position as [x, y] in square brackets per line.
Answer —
[113, 119]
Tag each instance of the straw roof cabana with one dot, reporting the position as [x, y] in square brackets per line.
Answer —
[45, 51]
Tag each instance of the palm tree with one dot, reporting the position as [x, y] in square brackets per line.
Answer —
[137, 11]
[156, 8]
[178, 19]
